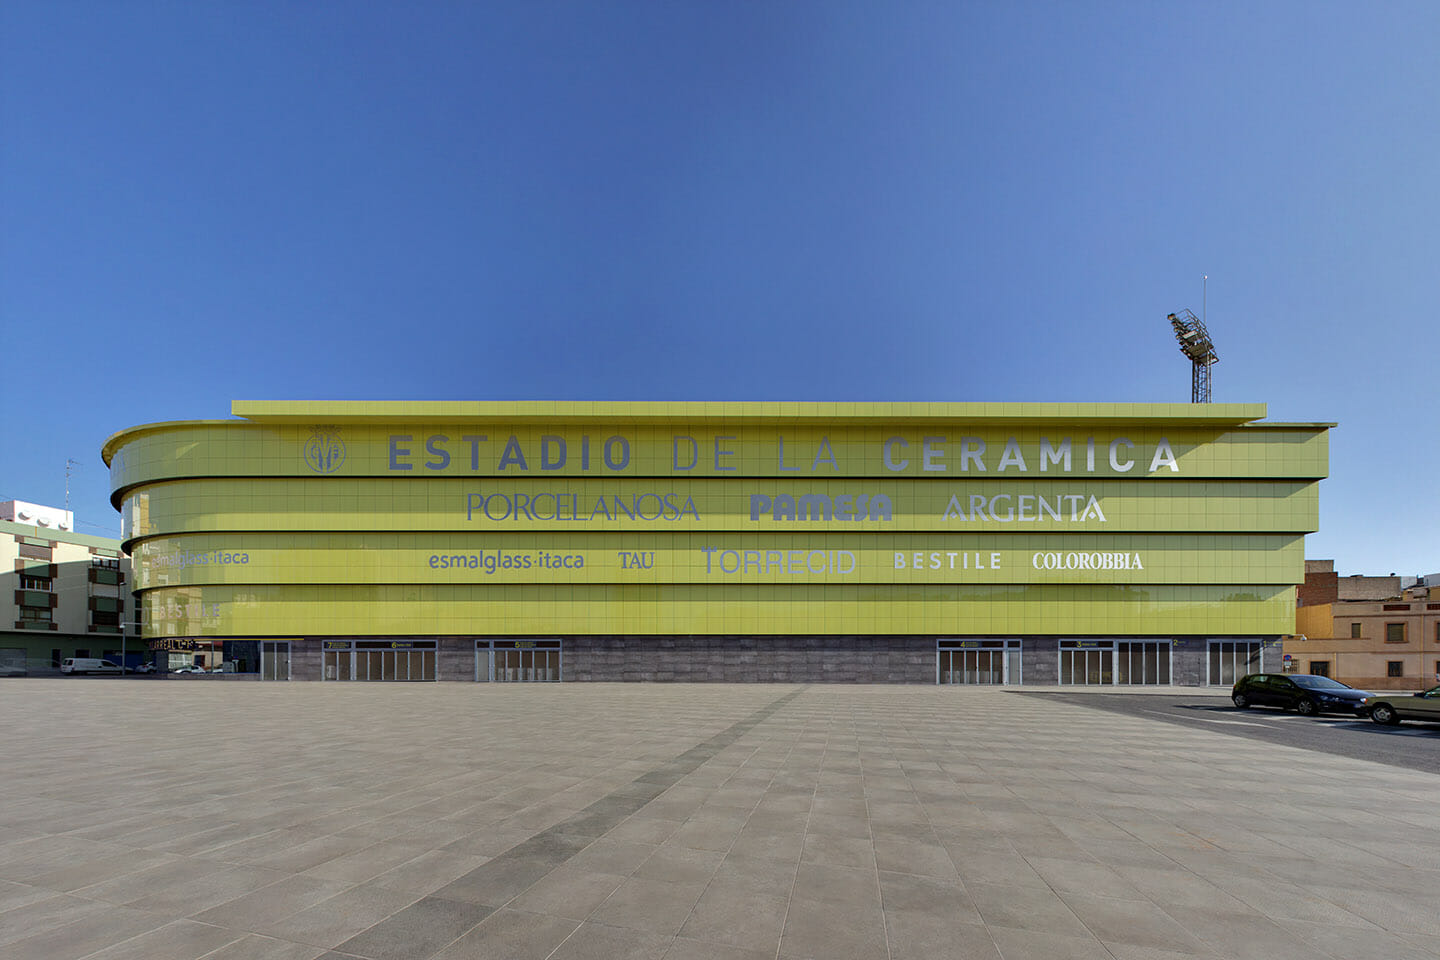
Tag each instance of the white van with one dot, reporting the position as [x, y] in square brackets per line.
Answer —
[88, 665]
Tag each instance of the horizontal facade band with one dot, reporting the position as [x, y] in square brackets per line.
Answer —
[1175, 450]
[742, 506]
[715, 558]
[761, 609]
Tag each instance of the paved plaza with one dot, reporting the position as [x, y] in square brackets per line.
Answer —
[164, 820]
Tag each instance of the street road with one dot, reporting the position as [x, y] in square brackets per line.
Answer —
[1412, 745]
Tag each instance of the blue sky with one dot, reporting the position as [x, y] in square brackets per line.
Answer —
[723, 201]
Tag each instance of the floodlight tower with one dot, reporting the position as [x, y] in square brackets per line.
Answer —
[1195, 343]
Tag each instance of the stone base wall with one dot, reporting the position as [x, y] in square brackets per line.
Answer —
[1189, 662]
[1039, 661]
[730, 659]
[305, 659]
[831, 659]
[455, 658]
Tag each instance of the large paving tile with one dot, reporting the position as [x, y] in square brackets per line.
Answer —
[90, 872]
[495, 882]
[1088, 877]
[1004, 867]
[1360, 943]
[1242, 936]
[338, 918]
[428, 872]
[255, 947]
[923, 934]
[683, 949]
[568, 891]
[1135, 922]
[903, 891]
[596, 941]
[180, 940]
[419, 930]
[33, 916]
[262, 907]
[201, 893]
[1024, 908]
[673, 861]
[729, 913]
[856, 852]
[513, 935]
[619, 857]
[1039, 944]
[912, 856]
[836, 931]
[368, 862]
[14, 895]
[766, 878]
[655, 906]
[84, 936]
[831, 884]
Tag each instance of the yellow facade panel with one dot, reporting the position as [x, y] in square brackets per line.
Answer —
[762, 519]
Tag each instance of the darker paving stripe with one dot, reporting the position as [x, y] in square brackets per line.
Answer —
[430, 924]
[601, 821]
[549, 847]
[636, 788]
[422, 929]
[497, 882]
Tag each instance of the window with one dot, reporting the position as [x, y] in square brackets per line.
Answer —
[37, 583]
[105, 618]
[36, 614]
[1320, 668]
[1394, 633]
[1395, 668]
[108, 563]
[35, 551]
[1354, 631]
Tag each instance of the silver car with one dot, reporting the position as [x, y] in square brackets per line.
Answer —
[1390, 708]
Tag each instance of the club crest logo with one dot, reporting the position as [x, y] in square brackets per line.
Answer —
[324, 451]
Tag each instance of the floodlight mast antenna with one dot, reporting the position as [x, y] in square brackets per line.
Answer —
[1195, 343]
[68, 465]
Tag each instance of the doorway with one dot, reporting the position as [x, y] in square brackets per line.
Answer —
[977, 661]
[275, 660]
[518, 661]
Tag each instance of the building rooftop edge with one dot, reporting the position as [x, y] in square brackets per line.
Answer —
[658, 411]
[280, 411]
[59, 536]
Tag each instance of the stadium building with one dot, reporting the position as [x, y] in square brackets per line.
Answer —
[1019, 543]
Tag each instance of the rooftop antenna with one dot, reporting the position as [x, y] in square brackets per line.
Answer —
[1195, 343]
[68, 464]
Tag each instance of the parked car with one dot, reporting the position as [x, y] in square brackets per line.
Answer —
[188, 668]
[1304, 693]
[144, 668]
[1390, 708]
[88, 665]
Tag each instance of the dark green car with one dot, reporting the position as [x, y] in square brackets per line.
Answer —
[1391, 708]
